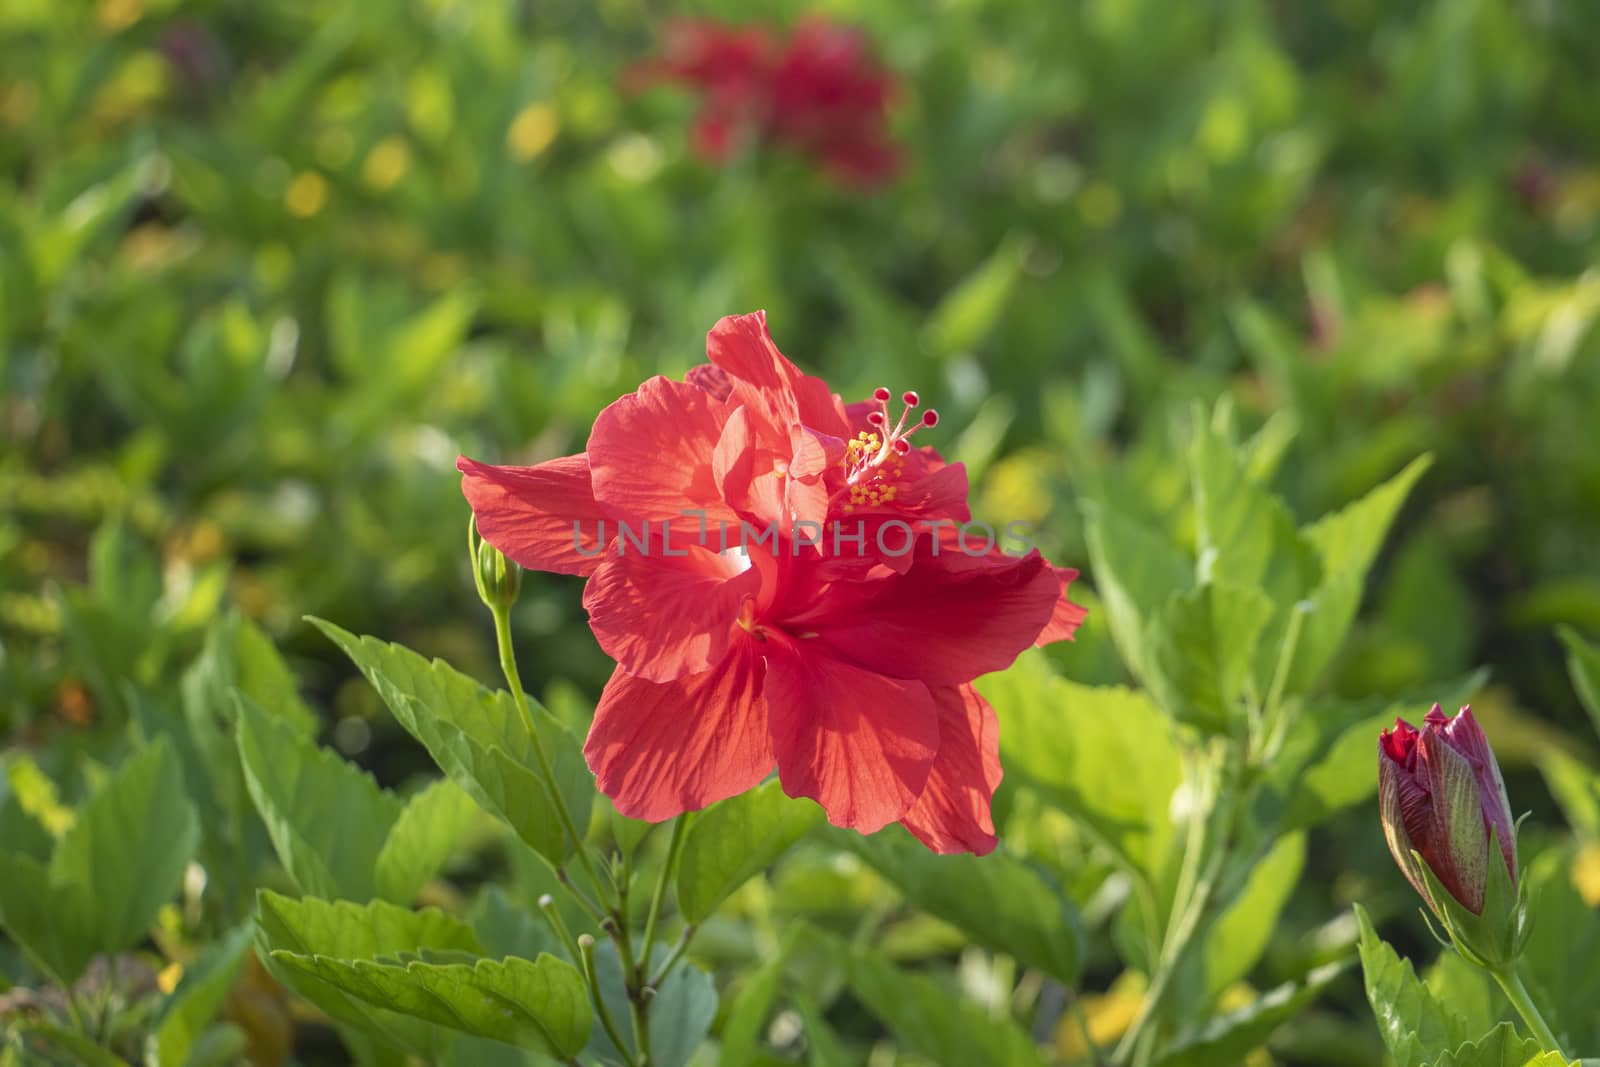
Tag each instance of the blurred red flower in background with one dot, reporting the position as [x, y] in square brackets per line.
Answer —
[840, 656]
[816, 90]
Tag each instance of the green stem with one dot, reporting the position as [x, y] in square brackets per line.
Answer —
[586, 950]
[1517, 993]
[672, 959]
[1275, 723]
[616, 925]
[659, 896]
[547, 905]
[1196, 883]
[508, 665]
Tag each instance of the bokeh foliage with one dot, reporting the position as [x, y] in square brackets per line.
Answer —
[266, 268]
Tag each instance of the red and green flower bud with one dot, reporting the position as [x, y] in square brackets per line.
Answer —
[1448, 823]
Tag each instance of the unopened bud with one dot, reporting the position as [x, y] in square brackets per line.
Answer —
[498, 579]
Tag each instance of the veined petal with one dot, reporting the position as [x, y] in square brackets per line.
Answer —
[658, 750]
[651, 453]
[858, 743]
[713, 380]
[945, 621]
[1067, 616]
[663, 616]
[544, 517]
[1464, 734]
[1392, 784]
[1458, 839]
[953, 812]
[742, 346]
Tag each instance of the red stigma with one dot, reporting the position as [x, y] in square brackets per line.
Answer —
[902, 446]
[909, 399]
[882, 394]
[930, 418]
[875, 418]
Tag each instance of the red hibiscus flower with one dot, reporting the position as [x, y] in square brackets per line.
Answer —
[816, 91]
[728, 526]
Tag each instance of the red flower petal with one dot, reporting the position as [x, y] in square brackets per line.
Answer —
[658, 750]
[947, 620]
[662, 617]
[859, 744]
[765, 379]
[952, 814]
[1066, 617]
[713, 380]
[530, 513]
[650, 453]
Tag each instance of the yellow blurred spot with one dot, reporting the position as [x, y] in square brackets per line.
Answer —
[532, 131]
[1108, 1016]
[386, 164]
[140, 82]
[36, 794]
[115, 15]
[169, 977]
[1100, 204]
[148, 245]
[307, 194]
[1586, 874]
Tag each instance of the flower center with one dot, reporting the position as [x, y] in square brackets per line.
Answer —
[877, 451]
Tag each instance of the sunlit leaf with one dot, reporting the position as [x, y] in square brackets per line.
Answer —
[997, 900]
[736, 839]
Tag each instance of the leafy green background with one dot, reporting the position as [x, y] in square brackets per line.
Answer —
[1179, 277]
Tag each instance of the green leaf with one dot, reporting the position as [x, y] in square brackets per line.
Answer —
[327, 817]
[49, 1045]
[137, 833]
[734, 840]
[970, 310]
[1583, 664]
[1576, 789]
[478, 739]
[199, 996]
[543, 1004]
[823, 1047]
[1245, 535]
[1415, 1027]
[507, 929]
[1136, 569]
[425, 835]
[1242, 932]
[1558, 962]
[680, 1014]
[238, 655]
[998, 900]
[1231, 1037]
[747, 1016]
[1104, 755]
[1201, 645]
[56, 923]
[1347, 541]
[932, 1021]
[1500, 1047]
[1469, 991]
[346, 931]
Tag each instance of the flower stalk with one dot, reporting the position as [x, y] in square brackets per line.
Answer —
[1511, 984]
